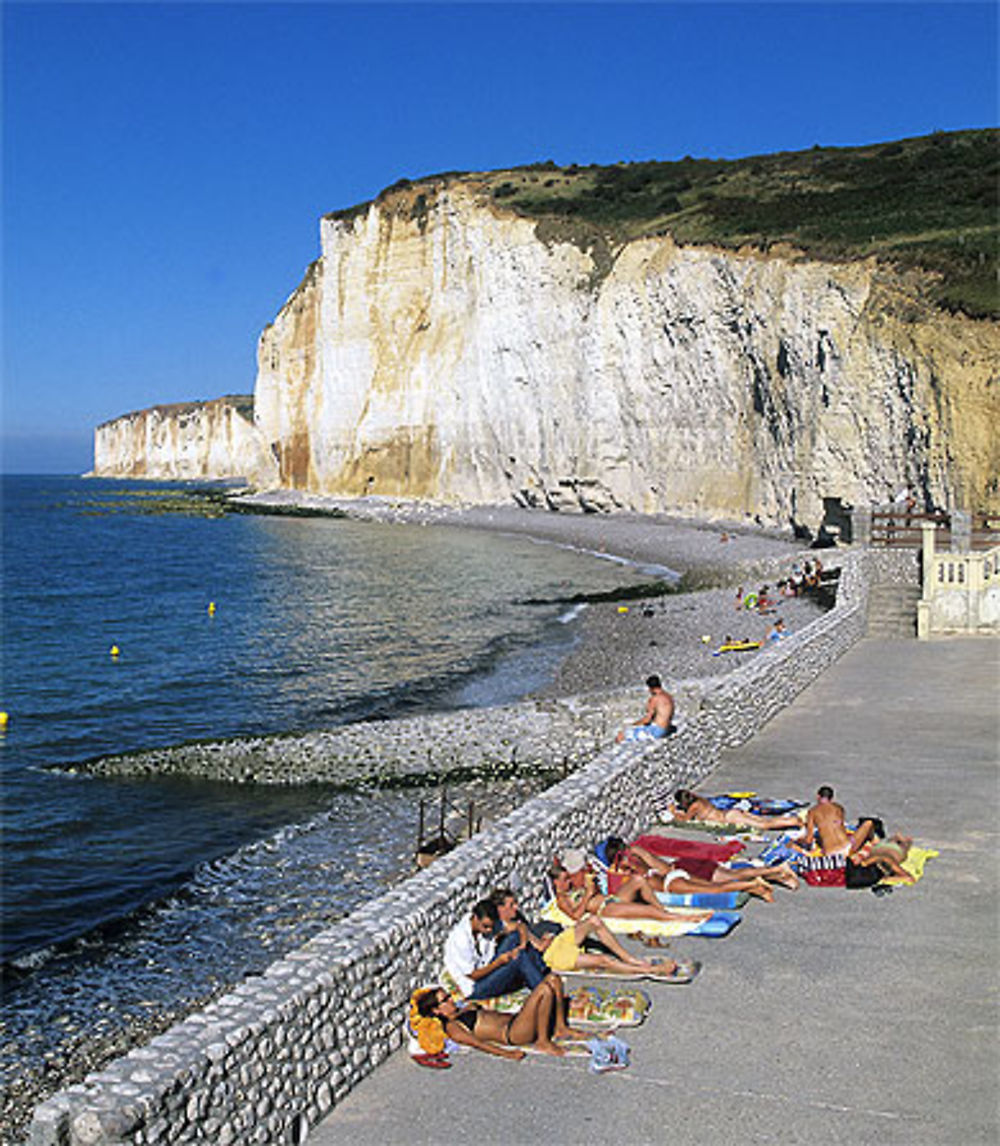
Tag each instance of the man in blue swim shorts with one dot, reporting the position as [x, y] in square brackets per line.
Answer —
[656, 723]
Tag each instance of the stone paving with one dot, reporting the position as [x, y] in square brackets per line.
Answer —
[830, 1016]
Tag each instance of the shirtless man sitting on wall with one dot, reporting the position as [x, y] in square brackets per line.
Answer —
[656, 723]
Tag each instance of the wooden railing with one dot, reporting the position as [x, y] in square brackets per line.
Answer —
[903, 529]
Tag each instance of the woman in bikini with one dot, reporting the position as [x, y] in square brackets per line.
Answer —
[566, 953]
[537, 1023]
[694, 876]
[689, 805]
[869, 850]
[577, 895]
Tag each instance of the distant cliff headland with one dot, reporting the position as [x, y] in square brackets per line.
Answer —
[718, 338]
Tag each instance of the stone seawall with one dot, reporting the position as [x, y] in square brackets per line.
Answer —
[271, 1058]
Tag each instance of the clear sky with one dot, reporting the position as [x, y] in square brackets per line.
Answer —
[165, 166]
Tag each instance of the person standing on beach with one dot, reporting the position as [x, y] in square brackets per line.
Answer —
[656, 723]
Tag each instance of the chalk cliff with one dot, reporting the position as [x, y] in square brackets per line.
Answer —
[444, 348]
[184, 441]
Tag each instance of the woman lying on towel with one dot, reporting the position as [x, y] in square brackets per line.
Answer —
[565, 953]
[869, 850]
[689, 805]
[693, 876]
[434, 1014]
[577, 894]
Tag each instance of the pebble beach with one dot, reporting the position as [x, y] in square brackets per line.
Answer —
[619, 649]
[596, 689]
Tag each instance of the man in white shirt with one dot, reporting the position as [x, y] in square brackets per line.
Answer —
[471, 958]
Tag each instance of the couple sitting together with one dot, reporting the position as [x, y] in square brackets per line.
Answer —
[866, 855]
[494, 950]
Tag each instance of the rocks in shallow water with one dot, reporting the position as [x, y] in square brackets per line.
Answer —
[488, 743]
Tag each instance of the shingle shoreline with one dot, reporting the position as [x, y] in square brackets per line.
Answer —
[272, 1057]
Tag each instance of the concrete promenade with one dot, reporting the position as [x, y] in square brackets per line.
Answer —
[827, 1017]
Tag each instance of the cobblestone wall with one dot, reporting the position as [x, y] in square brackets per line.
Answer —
[273, 1056]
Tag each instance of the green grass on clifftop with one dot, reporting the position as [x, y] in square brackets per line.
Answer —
[930, 202]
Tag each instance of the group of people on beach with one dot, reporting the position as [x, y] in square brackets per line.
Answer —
[867, 855]
[796, 584]
[495, 949]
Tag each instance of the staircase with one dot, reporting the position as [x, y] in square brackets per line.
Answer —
[892, 610]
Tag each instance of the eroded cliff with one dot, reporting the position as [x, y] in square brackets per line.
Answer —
[444, 348]
[185, 441]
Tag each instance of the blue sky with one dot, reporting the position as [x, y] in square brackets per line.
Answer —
[165, 165]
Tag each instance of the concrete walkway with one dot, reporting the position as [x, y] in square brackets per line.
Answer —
[829, 1017]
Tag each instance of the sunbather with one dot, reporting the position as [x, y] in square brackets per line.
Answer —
[689, 805]
[565, 953]
[867, 850]
[691, 876]
[825, 824]
[577, 895]
[434, 1014]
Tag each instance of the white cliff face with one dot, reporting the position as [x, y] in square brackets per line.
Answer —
[446, 351]
[197, 440]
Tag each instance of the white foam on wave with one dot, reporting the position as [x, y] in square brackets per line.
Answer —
[650, 568]
[573, 613]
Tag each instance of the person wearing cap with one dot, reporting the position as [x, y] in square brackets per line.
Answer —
[479, 970]
[577, 895]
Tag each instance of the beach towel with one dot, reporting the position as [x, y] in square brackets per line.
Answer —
[826, 877]
[596, 1006]
[588, 1005]
[678, 848]
[914, 863]
[713, 900]
[781, 851]
[718, 924]
[758, 805]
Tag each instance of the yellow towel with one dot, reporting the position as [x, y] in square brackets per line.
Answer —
[629, 926]
[914, 864]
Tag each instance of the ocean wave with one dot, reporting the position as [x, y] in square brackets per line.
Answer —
[571, 614]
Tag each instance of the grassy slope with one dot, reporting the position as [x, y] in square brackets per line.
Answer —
[930, 202]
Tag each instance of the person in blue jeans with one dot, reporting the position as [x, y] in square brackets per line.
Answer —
[483, 968]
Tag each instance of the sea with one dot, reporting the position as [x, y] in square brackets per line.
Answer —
[139, 615]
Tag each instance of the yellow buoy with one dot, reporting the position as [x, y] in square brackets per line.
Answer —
[3, 721]
[211, 608]
[115, 650]
[623, 608]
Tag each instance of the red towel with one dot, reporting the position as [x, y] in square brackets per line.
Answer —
[693, 849]
[826, 877]
[695, 867]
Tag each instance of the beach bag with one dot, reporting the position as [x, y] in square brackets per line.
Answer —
[855, 875]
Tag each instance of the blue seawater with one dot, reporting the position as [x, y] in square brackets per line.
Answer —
[119, 893]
